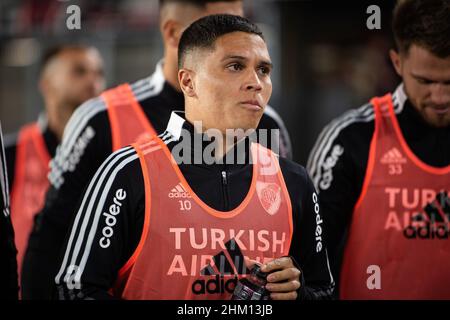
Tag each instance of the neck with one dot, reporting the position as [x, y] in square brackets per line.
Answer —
[223, 143]
[58, 116]
[170, 71]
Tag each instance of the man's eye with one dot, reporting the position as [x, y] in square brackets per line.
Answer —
[79, 71]
[424, 81]
[264, 70]
[235, 67]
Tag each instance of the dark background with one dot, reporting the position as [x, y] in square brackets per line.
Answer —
[326, 59]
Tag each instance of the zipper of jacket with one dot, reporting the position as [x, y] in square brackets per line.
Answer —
[225, 189]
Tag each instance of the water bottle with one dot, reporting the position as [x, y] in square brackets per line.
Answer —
[252, 287]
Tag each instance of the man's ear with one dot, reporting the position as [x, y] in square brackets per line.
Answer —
[187, 83]
[396, 61]
[171, 31]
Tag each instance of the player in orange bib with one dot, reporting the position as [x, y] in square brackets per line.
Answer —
[112, 121]
[184, 214]
[70, 75]
[383, 171]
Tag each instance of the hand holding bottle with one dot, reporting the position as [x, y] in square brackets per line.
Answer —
[283, 280]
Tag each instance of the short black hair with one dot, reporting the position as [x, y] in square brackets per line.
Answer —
[204, 32]
[55, 50]
[425, 23]
[197, 3]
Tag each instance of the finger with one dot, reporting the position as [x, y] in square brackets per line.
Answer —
[284, 275]
[284, 296]
[283, 287]
[249, 263]
[277, 264]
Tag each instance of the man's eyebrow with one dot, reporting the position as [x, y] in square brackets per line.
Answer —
[228, 57]
[266, 63]
[424, 78]
[237, 57]
[419, 76]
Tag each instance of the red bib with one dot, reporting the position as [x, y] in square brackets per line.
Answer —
[30, 185]
[127, 119]
[188, 250]
[398, 223]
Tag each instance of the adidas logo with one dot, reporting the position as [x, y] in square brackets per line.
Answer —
[179, 192]
[428, 231]
[433, 222]
[223, 268]
[393, 156]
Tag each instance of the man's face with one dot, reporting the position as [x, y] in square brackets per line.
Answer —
[75, 76]
[427, 83]
[232, 82]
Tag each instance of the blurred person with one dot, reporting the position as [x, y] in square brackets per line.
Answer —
[8, 252]
[107, 123]
[69, 75]
[383, 171]
[149, 226]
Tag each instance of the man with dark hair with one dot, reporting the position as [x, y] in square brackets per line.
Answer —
[203, 36]
[109, 122]
[69, 75]
[383, 171]
[159, 230]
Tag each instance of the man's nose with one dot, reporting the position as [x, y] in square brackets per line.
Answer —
[253, 83]
[440, 94]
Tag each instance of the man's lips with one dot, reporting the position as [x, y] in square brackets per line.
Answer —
[440, 110]
[252, 104]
